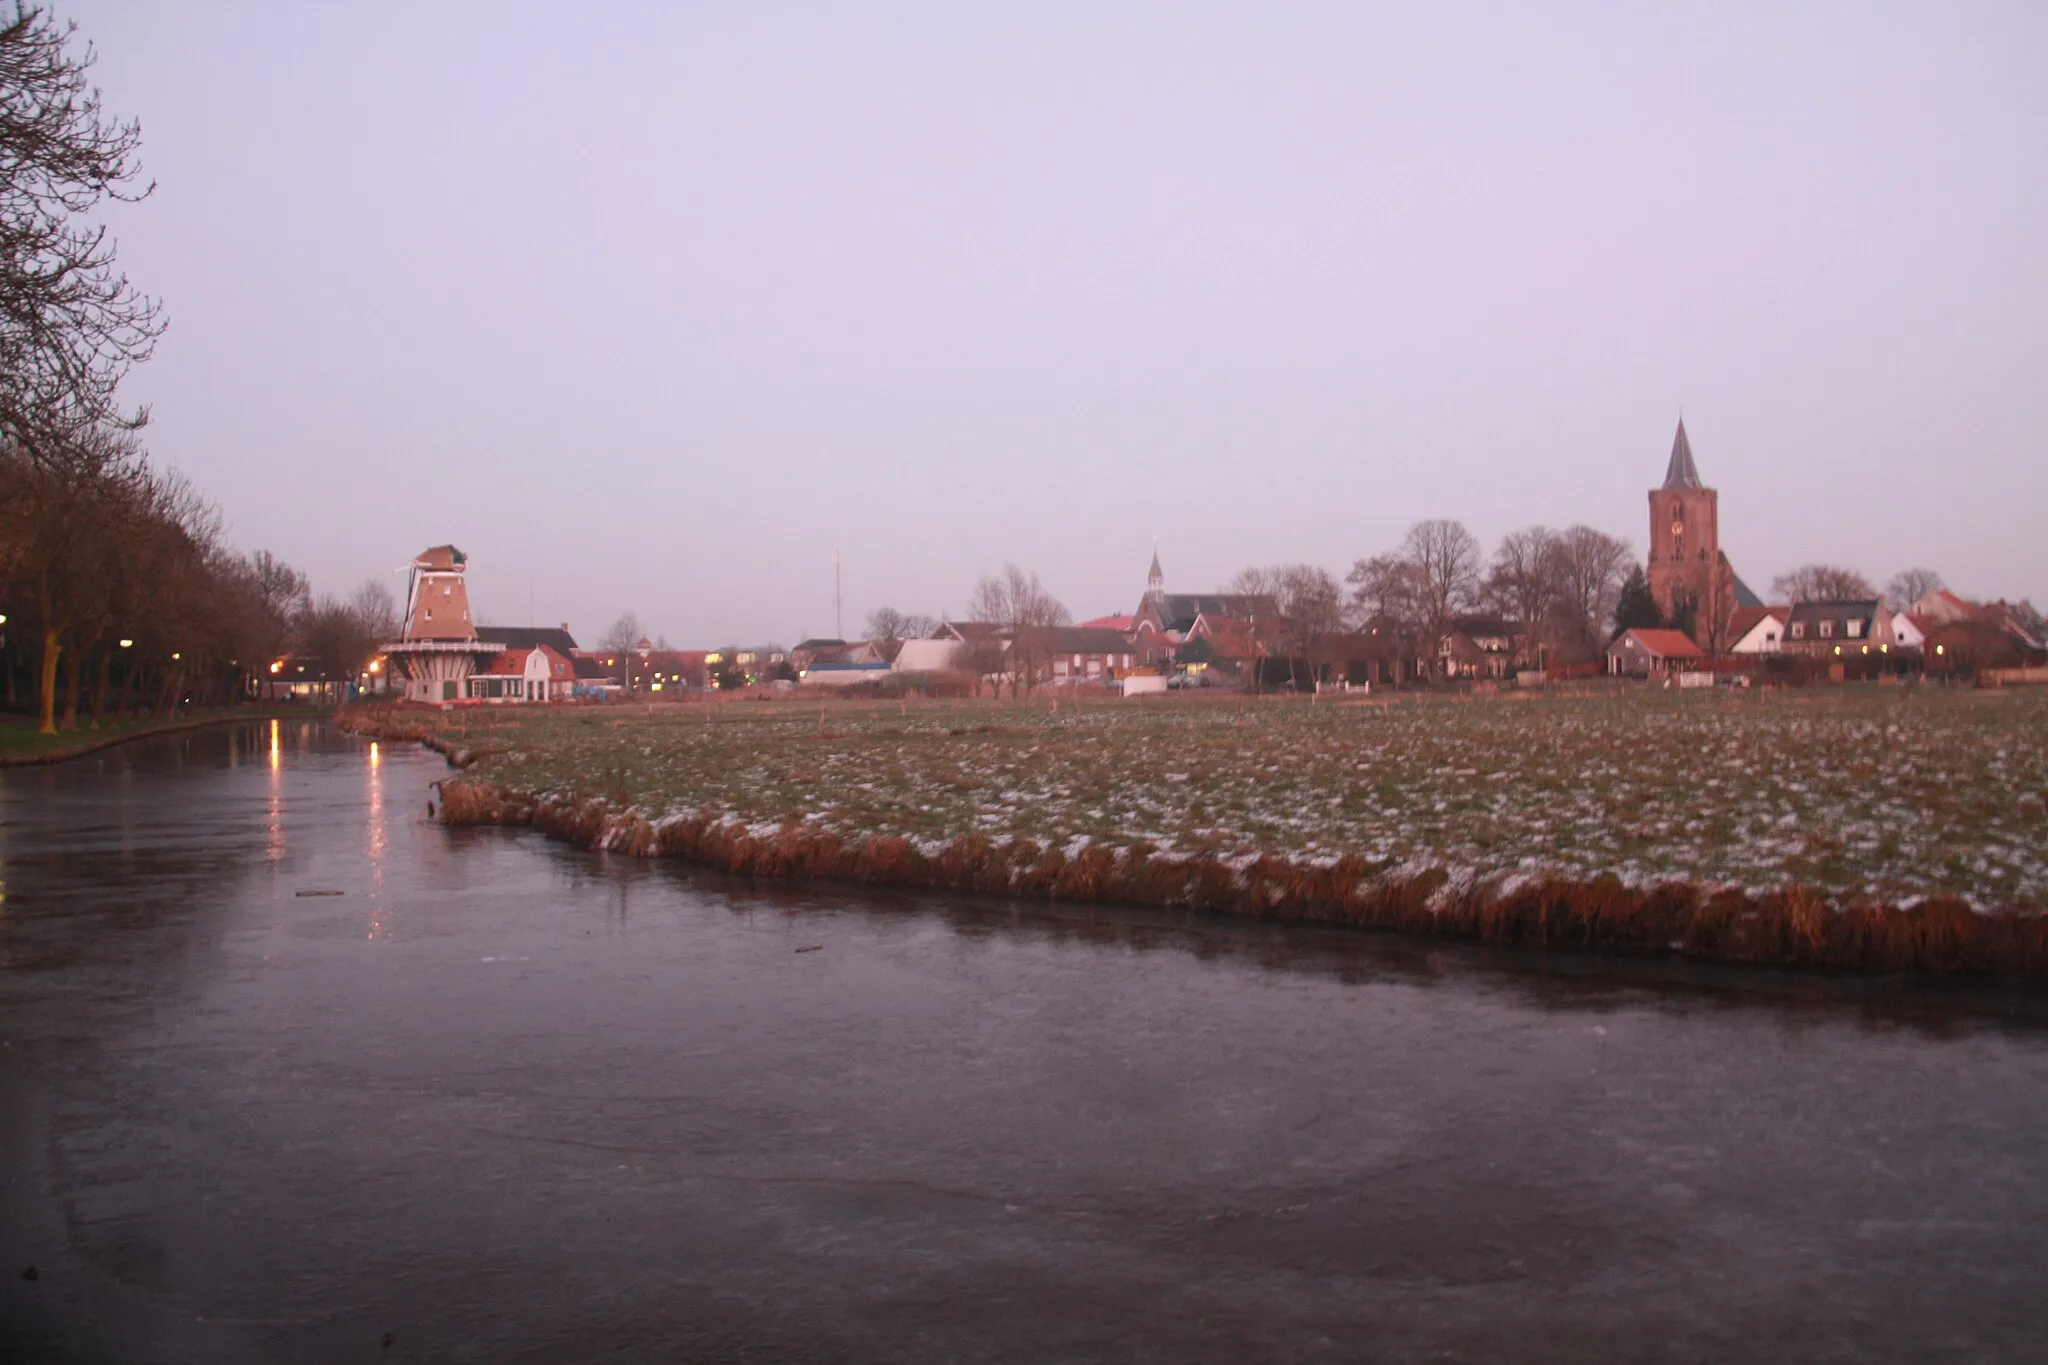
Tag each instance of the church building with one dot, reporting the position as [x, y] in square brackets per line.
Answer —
[1173, 614]
[1694, 584]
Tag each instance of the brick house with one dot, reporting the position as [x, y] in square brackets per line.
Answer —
[1652, 653]
[1838, 630]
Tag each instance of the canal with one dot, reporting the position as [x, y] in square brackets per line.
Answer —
[289, 1072]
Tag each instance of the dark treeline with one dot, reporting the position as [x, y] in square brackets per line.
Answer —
[116, 593]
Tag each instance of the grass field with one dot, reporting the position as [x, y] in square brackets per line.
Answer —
[1858, 793]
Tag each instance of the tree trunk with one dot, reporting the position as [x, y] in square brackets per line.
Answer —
[46, 690]
[71, 691]
[99, 695]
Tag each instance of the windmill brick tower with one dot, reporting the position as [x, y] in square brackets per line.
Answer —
[439, 650]
[1689, 575]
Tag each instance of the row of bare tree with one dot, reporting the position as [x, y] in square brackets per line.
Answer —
[116, 591]
[119, 594]
[1555, 589]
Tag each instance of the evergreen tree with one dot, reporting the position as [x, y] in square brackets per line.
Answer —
[1636, 608]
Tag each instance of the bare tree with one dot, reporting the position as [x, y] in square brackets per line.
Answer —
[1590, 566]
[887, 623]
[1445, 557]
[375, 609]
[619, 639]
[1822, 583]
[1910, 585]
[1020, 607]
[1311, 607]
[1522, 582]
[70, 323]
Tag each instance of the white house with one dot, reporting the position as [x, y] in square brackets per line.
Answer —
[1759, 630]
[1909, 631]
[537, 674]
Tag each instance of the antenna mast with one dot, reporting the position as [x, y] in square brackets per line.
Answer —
[838, 620]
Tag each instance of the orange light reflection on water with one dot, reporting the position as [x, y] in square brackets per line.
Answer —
[377, 835]
[275, 845]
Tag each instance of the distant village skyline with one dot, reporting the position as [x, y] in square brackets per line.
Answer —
[942, 291]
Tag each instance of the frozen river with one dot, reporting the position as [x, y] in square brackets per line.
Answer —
[502, 1100]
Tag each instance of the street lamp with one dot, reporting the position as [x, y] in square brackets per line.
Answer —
[127, 644]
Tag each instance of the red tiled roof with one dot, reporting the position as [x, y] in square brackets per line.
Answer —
[1670, 644]
[1745, 619]
[1120, 623]
[510, 664]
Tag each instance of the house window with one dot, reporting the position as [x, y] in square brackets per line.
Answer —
[1855, 629]
[1827, 629]
[1799, 630]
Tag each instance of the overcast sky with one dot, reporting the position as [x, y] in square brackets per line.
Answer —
[654, 307]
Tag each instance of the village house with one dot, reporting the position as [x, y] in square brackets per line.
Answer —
[1838, 630]
[1967, 647]
[1758, 630]
[1644, 653]
[1940, 606]
[1909, 631]
[1074, 654]
[1477, 647]
[537, 674]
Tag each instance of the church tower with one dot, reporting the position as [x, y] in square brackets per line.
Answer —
[1155, 581]
[1689, 576]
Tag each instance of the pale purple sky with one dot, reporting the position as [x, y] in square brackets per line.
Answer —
[653, 306]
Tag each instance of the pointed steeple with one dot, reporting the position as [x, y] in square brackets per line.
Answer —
[1155, 581]
[1682, 473]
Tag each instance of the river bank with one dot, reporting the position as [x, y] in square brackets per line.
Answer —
[935, 798]
[23, 746]
[493, 1098]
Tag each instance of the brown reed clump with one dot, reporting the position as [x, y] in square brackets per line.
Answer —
[1791, 926]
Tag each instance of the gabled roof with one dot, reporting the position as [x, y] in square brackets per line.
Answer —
[512, 663]
[1667, 644]
[819, 642]
[1229, 637]
[1681, 472]
[967, 631]
[1110, 623]
[526, 637]
[1943, 605]
[1746, 619]
[1834, 611]
[1178, 610]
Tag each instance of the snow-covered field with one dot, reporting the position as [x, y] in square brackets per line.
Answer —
[1861, 793]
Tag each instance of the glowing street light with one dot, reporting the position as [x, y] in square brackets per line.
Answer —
[127, 644]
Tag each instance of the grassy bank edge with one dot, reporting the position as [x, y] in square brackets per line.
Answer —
[97, 741]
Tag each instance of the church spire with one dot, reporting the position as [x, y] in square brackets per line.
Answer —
[1155, 581]
[1681, 473]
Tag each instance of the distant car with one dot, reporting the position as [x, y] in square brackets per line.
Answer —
[1180, 680]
